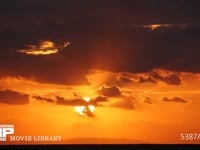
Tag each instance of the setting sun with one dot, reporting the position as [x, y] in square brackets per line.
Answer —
[91, 108]
[80, 110]
[85, 110]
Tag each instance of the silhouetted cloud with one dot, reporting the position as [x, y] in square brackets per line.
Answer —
[13, 97]
[100, 99]
[147, 100]
[80, 101]
[154, 76]
[174, 99]
[42, 99]
[171, 79]
[112, 91]
[124, 79]
[148, 79]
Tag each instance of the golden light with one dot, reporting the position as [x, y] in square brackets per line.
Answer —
[91, 108]
[80, 110]
[85, 110]
[155, 26]
[46, 44]
[40, 52]
[87, 99]
[45, 48]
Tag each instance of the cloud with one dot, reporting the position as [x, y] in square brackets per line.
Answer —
[139, 78]
[154, 76]
[124, 78]
[173, 79]
[45, 48]
[155, 26]
[167, 77]
[174, 99]
[76, 102]
[100, 99]
[148, 79]
[13, 97]
[62, 101]
[43, 99]
[112, 91]
[147, 100]
[73, 102]
[80, 101]
[165, 26]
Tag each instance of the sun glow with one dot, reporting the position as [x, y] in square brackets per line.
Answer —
[85, 110]
[91, 108]
[87, 99]
[80, 110]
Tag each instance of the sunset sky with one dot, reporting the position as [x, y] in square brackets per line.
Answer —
[103, 71]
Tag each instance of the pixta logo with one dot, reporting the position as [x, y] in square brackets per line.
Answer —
[5, 130]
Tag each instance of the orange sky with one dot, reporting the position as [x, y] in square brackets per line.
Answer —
[100, 71]
[151, 119]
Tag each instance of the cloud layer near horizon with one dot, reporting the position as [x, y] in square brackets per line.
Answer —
[13, 97]
[121, 90]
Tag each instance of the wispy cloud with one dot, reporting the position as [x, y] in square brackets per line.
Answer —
[155, 26]
[45, 48]
[162, 25]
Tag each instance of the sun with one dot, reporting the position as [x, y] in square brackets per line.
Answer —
[85, 110]
[80, 110]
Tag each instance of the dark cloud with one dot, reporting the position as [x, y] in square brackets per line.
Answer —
[99, 99]
[74, 102]
[125, 103]
[13, 97]
[156, 76]
[61, 100]
[147, 100]
[124, 79]
[171, 79]
[80, 101]
[102, 36]
[43, 99]
[112, 91]
[153, 76]
[174, 99]
[144, 80]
